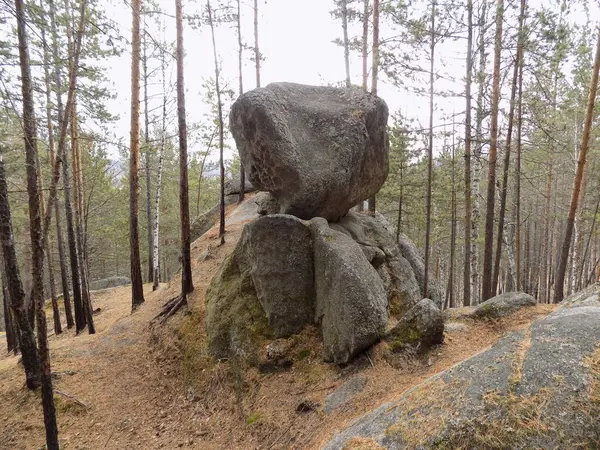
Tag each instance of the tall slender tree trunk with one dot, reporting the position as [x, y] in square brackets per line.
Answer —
[64, 273]
[36, 231]
[137, 289]
[372, 203]
[26, 337]
[241, 91]
[256, 50]
[450, 290]
[344, 6]
[468, 189]
[12, 343]
[476, 163]
[147, 147]
[365, 46]
[507, 151]
[186, 271]
[487, 286]
[517, 201]
[163, 131]
[365, 71]
[221, 142]
[52, 157]
[564, 255]
[429, 151]
[86, 300]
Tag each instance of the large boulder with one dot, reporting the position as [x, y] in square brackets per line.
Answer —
[263, 290]
[536, 388]
[421, 327]
[351, 300]
[502, 305]
[279, 253]
[382, 251]
[318, 150]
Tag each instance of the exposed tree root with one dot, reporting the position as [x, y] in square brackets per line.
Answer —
[170, 308]
[71, 398]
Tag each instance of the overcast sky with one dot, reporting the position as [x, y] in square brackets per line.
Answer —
[296, 39]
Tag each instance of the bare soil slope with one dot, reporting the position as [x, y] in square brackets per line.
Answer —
[153, 386]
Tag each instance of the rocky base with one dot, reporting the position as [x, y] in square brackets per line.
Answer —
[349, 278]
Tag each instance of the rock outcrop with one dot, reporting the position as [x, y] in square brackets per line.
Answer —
[537, 388]
[347, 278]
[318, 150]
[351, 300]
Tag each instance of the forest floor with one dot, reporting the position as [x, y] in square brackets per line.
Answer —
[147, 386]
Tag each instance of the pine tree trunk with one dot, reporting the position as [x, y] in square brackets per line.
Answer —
[372, 203]
[26, 337]
[256, 50]
[365, 46]
[36, 231]
[156, 259]
[12, 343]
[64, 273]
[137, 289]
[147, 164]
[564, 256]
[346, 44]
[450, 290]
[241, 91]
[221, 142]
[476, 163]
[429, 152]
[468, 189]
[517, 201]
[52, 157]
[78, 194]
[186, 272]
[487, 286]
[507, 151]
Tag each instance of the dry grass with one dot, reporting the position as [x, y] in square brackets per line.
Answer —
[151, 386]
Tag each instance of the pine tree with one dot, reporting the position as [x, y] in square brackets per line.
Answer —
[186, 271]
[585, 138]
[137, 289]
[487, 291]
[36, 231]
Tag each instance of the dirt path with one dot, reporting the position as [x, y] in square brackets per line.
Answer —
[144, 390]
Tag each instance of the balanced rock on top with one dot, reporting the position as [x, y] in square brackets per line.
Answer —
[318, 150]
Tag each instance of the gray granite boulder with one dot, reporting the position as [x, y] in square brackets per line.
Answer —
[382, 251]
[351, 303]
[421, 327]
[502, 305]
[318, 150]
[279, 254]
[536, 388]
[263, 290]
